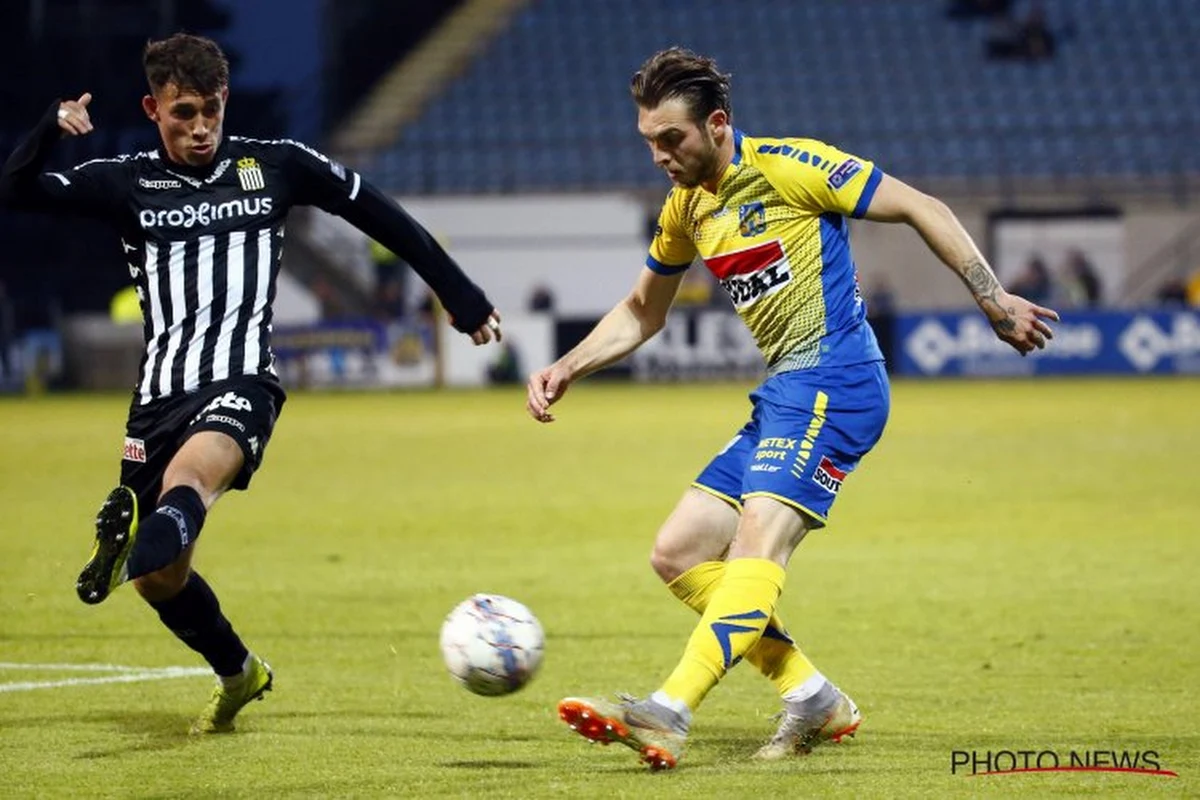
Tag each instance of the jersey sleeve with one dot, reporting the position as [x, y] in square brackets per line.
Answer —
[95, 188]
[318, 180]
[819, 177]
[671, 250]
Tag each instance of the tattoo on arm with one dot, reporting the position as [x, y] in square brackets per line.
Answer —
[985, 287]
[980, 280]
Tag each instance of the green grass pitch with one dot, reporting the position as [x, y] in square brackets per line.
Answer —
[1014, 567]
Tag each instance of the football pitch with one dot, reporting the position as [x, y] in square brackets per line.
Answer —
[1013, 569]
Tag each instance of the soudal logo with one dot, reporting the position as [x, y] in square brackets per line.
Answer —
[753, 273]
[204, 214]
[828, 477]
[135, 450]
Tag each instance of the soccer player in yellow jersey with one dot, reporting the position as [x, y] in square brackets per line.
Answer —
[767, 217]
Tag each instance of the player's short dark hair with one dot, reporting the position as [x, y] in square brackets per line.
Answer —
[677, 72]
[189, 62]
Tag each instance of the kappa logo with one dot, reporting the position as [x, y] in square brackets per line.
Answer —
[827, 476]
[250, 175]
[147, 183]
[229, 400]
[135, 450]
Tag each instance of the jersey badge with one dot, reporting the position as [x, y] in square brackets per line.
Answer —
[842, 175]
[752, 218]
[250, 175]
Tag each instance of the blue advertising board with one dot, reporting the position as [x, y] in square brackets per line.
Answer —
[1085, 343]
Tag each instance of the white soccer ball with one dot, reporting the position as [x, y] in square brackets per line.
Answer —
[492, 644]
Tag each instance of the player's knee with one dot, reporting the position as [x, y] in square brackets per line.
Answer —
[163, 584]
[663, 564]
[670, 558]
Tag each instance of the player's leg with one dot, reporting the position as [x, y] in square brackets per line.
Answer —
[788, 487]
[734, 619]
[204, 468]
[151, 440]
[226, 442]
[134, 541]
[849, 410]
[689, 555]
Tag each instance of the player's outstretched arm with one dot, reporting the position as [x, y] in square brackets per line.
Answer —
[1017, 321]
[22, 185]
[328, 185]
[622, 330]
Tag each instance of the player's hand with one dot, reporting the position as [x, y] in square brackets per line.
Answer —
[488, 330]
[546, 388]
[73, 116]
[1021, 323]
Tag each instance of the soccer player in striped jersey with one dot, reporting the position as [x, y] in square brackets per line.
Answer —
[768, 217]
[201, 220]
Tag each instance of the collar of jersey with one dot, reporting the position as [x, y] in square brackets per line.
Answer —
[188, 169]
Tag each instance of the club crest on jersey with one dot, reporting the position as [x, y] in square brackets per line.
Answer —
[752, 218]
[753, 273]
[250, 175]
[827, 476]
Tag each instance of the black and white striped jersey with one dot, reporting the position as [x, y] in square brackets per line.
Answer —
[204, 244]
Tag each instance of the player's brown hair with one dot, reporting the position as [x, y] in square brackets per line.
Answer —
[678, 72]
[189, 62]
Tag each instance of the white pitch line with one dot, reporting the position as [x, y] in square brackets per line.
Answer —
[165, 673]
[79, 667]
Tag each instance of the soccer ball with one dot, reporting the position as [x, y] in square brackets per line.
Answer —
[492, 644]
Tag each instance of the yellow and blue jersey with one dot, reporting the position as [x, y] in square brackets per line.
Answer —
[776, 236]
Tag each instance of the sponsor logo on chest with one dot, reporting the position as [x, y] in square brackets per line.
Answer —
[203, 214]
[753, 273]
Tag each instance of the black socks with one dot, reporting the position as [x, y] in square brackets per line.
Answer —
[194, 615]
[163, 535]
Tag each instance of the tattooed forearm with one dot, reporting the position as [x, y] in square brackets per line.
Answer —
[983, 284]
[980, 280]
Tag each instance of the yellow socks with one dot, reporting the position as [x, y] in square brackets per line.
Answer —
[774, 654]
[740, 607]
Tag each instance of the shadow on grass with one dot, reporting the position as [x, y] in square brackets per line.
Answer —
[140, 731]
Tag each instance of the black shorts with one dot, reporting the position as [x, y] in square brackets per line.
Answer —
[245, 408]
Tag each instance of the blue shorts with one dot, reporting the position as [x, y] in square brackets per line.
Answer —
[807, 432]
